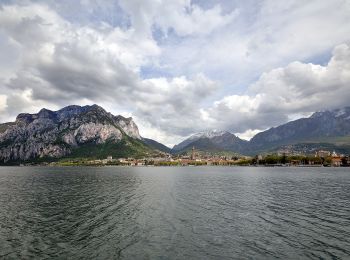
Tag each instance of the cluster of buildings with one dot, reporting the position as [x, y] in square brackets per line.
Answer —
[169, 160]
[320, 157]
[165, 159]
[336, 159]
[281, 158]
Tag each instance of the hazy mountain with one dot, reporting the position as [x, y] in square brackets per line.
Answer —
[321, 127]
[74, 131]
[156, 145]
[212, 141]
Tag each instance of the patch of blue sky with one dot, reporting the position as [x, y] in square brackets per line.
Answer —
[89, 12]
[6, 2]
[147, 72]
[320, 59]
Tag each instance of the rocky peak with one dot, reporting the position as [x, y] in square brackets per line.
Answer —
[97, 109]
[24, 118]
[322, 114]
[220, 139]
[128, 126]
[335, 113]
[70, 111]
[60, 131]
[47, 114]
[209, 134]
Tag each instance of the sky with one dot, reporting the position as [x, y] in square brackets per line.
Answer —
[177, 66]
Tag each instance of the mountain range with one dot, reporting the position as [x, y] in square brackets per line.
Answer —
[212, 142]
[92, 132]
[322, 130]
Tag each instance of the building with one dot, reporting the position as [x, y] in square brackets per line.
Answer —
[322, 153]
[192, 154]
[336, 161]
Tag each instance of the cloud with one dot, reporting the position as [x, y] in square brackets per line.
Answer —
[308, 87]
[3, 102]
[274, 35]
[248, 134]
[244, 68]
[182, 16]
[174, 105]
[75, 65]
[275, 98]
[60, 63]
[298, 88]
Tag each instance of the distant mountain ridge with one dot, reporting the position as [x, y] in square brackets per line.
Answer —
[212, 141]
[321, 127]
[156, 145]
[91, 132]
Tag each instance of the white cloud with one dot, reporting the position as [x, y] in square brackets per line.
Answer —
[247, 135]
[174, 105]
[3, 102]
[150, 131]
[308, 87]
[182, 16]
[278, 95]
[195, 21]
[61, 63]
[273, 36]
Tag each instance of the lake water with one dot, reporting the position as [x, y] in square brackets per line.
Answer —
[174, 213]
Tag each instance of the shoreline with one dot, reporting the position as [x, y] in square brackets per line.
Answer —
[179, 166]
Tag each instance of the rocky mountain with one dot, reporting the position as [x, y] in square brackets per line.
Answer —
[75, 131]
[321, 127]
[92, 132]
[212, 141]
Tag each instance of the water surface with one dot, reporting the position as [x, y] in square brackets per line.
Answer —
[174, 213]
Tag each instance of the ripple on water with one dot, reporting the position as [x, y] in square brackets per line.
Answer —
[174, 213]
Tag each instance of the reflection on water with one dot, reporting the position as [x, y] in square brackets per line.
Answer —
[178, 213]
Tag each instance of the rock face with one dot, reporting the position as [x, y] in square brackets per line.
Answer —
[56, 133]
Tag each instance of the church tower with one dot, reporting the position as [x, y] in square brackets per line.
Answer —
[192, 155]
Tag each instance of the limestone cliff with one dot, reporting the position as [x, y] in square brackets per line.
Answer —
[57, 133]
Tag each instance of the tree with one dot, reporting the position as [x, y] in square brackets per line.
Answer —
[284, 159]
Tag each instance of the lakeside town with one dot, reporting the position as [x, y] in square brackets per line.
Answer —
[321, 158]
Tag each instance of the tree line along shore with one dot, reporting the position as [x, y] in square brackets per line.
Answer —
[272, 160]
